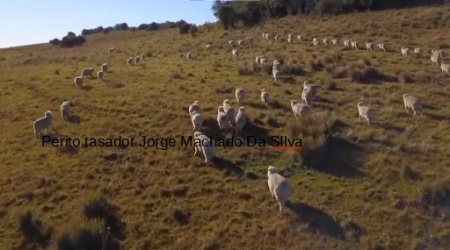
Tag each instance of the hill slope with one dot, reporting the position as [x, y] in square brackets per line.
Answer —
[169, 199]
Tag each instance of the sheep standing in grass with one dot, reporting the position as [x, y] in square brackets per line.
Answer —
[417, 51]
[438, 53]
[43, 123]
[130, 61]
[224, 122]
[265, 98]
[194, 107]
[235, 53]
[307, 94]
[369, 46]
[208, 46]
[65, 110]
[347, 43]
[404, 51]
[197, 120]
[435, 59]
[300, 38]
[311, 88]
[315, 42]
[366, 113]
[258, 60]
[289, 38]
[137, 59]
[414, 103]
[354, 44]
[87, 72]
[381, 47]
[445, 67]
[299, 109]
[79, 81]
[240, 121]
[241, 95]
[229, 110]
[279, 187]
[203, 144]
[142, 58]
[104, 67]
[230, 42]
[100, 75]
[276, 38]
[267, 36]
[111, 50]
[262, 60]
[325, 41]
[240, 42]
[334, 42]
[189, 55]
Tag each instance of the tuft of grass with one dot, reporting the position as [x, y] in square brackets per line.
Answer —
[34, 231]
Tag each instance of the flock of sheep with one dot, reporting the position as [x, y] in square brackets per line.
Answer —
[228, 120]
[231, 122]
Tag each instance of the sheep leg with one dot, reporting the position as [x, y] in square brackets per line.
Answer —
[195, 150]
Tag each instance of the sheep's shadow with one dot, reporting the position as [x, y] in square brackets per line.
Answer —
[212, 128]
[75, 119]
[86, 87]
[323, 223]
[275, 104]
[227, 166]
[116, 85]
[437, 117]
[391, 128]
[429, 107]
[57, 141]
[254, 132]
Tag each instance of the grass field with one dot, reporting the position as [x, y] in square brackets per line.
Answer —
[391, 192]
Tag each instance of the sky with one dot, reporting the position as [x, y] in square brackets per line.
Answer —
[43, 20]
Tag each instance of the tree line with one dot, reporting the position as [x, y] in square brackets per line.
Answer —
[248, 13]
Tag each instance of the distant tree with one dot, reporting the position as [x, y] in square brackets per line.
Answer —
[193, 30]
[153, 26]
[133, 29]
[184, 28]
[55, 41]
[143, 26]
[72, 41]
[70, 33]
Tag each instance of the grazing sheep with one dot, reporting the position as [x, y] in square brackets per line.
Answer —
[307, 94]
[224, 122]
[265, 98]
[414, 103]
[100, 75]
[194, 107]
[241, 95]
[43, 123]
[230, 42]
[65, 110]
[315, 42]
[267, 36]
[445, 67]
[130, 61]
[279, 187]
[249, 39]
[142, 58]
[438, 53]
[208, 46]
[137, 59]
[299, 109]
[262, 60]
[347, 43]
[258, 60]
[311, 88]
[381, 47]
[404, 51]
[111, 50]
[197, 121]
[334, 42]
[104, 67]
[87, 72]
[366, 113]
[188, 55]
[263, 35]
[235, 53]
[354, 44]
[206, 146]
[240, 121]
[417, 51]
[240, 42]
[229, 111]
[289, 38]
[276, 38]
[325, 41]
[369, 46]
[300, 38]
[79, 81]
[435, 59]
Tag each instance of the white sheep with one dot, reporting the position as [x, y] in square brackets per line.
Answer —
[204, 145]
[439, 53]
[369, 46]
[315, 42]
[197, 121]
[346, 43]
[240, 42]
[300, 109]
[279, 187]
[436, 59]
[404, 51]
[417, 51]
[366, 113]
[265, 98]
[276, 38]
[241, 95]
[334, 41]
[65, 110]
[130, 61]
[104, 67]
[224, 122]
[300, 38]
[267, 36]
[100, 75]
[307, 95]
[312, 88]
[189, 55]
[289, 38]
[142, 57]
[414, 103]
[87, 72]
[43, 123]
[258, 60]
[262, 60]
[229, 110]
[381, 47]
[230, 42]
[240, 121]
[325, 41]
[249, 39]
[137, 59]
[445, 67]
[111, 50]
[354, 44]
[79, 81]
[208, 46]
[235, 53]
[194, 107]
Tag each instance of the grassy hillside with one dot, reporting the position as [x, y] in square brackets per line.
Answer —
[374, 197]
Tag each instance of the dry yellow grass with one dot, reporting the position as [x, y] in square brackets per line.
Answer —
[367, 198]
